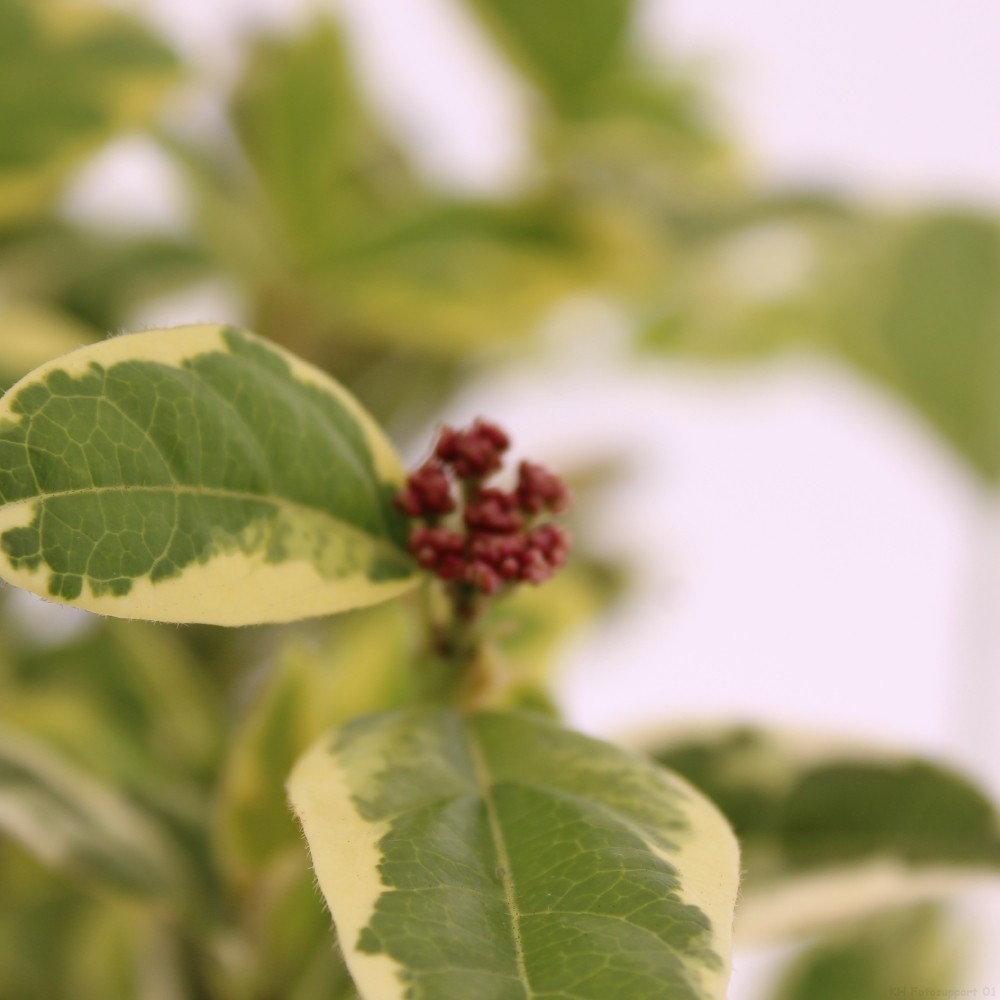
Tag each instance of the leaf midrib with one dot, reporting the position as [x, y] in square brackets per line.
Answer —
[210, 491]
[483, 778]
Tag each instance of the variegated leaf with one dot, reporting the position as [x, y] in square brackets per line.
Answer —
[501, 857]
[196, 474]
[363, 664]
[833, 831]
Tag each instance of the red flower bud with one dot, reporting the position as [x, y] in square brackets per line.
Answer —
[447, 444]
[494, 549]
[534, 567]
[538, 489]
[552, 542]
[490, 432]
[435, 547]
[504, 553]
[474, 453]
[493, 510]
[483, 576]
[427, 493]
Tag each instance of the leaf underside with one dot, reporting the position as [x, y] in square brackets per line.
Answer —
[499, 856]
[196, 474]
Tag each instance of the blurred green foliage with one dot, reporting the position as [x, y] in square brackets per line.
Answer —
[909, 953]
[834, 831]
[567, 65]
[343, 252]
[70, 78]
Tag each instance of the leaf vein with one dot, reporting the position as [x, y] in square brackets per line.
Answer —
[481, 771]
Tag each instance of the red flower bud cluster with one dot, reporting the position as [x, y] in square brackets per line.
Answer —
[501, 543]
[538, 490]
[427, 493]
[473, 453]
[493, 511]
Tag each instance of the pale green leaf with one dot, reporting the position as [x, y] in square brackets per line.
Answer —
[288, 933]
[564, 45]
[832, 831]
[43, 921]
[500, 856]
[74, 823]
[119, 952]
[31, 334]
[197, 474]
[894, 955]
[71, 76]
[327, 168]
[933, 329]
[253, 827]
[87, 277]
[532, 627]
[449, 278]
[124, 700]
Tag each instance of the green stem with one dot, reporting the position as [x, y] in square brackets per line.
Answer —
[462, 668]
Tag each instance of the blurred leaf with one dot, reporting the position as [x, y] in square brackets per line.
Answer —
[361, 663]
[933, 332]
[125, 699]
[103, 960]
[532, 627]
[323, 162]
[62, 941]
[105, 280]
[832, 831]
[891, 956]
[254, 825]
[290, 934]
[39, 920]
[31, 334]
[70, 77]
[458, 277]
[565, 46]
[97, 278]
[342, 242]
[72, 822]
[915, 303]
[664, 103]
[126, 702]
[754, 275]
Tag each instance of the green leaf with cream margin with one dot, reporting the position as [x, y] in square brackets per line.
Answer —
[197, 474]
[833, 830]
[500, 856]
